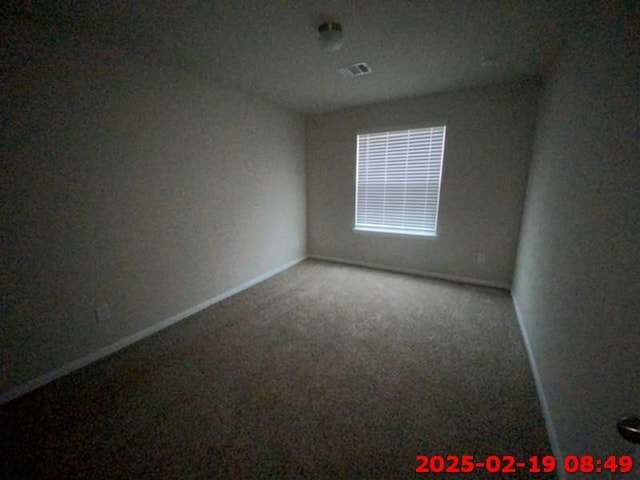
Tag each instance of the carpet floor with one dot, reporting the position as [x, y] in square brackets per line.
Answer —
[322, 371]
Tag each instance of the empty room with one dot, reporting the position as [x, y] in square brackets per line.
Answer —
[342, 239]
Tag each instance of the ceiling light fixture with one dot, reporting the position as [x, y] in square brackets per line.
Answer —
[331, 36]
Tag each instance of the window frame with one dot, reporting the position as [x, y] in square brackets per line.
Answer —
[391, 129]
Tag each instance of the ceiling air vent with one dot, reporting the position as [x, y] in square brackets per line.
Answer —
[354, 70]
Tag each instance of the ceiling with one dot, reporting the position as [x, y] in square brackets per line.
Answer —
[270, 49]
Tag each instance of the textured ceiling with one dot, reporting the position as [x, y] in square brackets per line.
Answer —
[270, 48]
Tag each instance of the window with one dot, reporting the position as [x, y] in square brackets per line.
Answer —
[398, 181]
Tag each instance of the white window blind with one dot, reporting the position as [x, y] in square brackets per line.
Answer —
[398, 181]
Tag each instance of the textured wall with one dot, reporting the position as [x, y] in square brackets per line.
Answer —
[135, 185]
[577, 280]
[488, 147]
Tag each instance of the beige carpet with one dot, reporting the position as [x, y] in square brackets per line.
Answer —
[323, 371]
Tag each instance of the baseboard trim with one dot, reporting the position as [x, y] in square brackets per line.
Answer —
[411, 271]
[131, 339]
[544, 405]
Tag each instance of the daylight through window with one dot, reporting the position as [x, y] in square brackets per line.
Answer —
[398, 181]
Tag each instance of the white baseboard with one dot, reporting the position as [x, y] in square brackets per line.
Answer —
[125, 342]
[411, 271]
[546, 412]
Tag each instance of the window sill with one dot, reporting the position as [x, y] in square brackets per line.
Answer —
[417, 236]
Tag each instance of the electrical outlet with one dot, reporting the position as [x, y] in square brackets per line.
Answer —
[481, 258]
[103, 313]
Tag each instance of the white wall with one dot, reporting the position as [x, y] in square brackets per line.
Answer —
[135, 185]
[577, 280]
[488, 147]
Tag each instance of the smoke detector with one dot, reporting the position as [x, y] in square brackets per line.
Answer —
[489, 60]
[331, 36]
[354, 70]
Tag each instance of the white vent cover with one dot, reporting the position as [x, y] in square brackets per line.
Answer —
[354, 70]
